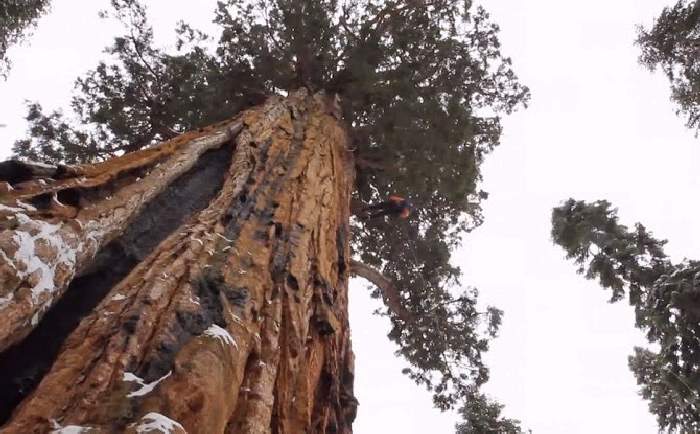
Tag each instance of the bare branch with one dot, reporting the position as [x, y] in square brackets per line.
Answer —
[385, 285]
[135, 41]
[269, 29]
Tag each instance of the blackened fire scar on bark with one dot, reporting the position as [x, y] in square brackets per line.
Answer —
[23, 365]
[210, 285]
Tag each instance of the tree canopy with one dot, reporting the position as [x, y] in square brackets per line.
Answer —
[665, 297]
[16, 18]
[422, 85]
[673, 45]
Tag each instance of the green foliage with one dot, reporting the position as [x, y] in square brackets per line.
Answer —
[16, 17]
[445, 341]
[56, 141]
[673, 44]
[421, 85]
[483, 416]
[665, 297]
[143, 97]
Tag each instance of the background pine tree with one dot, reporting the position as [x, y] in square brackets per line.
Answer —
[672, 44]
[665, 297]
[632, 263]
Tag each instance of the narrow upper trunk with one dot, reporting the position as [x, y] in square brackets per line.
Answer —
[236, 322]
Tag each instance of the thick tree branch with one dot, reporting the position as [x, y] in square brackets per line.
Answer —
[391, 295]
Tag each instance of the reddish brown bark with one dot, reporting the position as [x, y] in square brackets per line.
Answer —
[237, 322]
[45, 243]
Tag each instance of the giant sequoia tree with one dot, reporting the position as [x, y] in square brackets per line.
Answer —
[221, 256]
[665, 297]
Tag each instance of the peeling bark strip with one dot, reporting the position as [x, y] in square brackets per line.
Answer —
[52, 228]
[237, 322]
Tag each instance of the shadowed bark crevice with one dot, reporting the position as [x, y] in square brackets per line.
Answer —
[14, 172]
[23, 365]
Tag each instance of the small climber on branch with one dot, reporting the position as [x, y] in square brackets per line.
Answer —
[394, 206]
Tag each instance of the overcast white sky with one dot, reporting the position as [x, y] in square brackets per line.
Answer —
[599, 126]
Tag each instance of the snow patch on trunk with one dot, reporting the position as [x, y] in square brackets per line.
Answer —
[72, 429]
[146, 388]
[44, 273]
[156, 421]
[220, 333]
[69, 429]
[118, 297]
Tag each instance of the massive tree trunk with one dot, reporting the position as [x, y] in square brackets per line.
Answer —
[207, 278]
